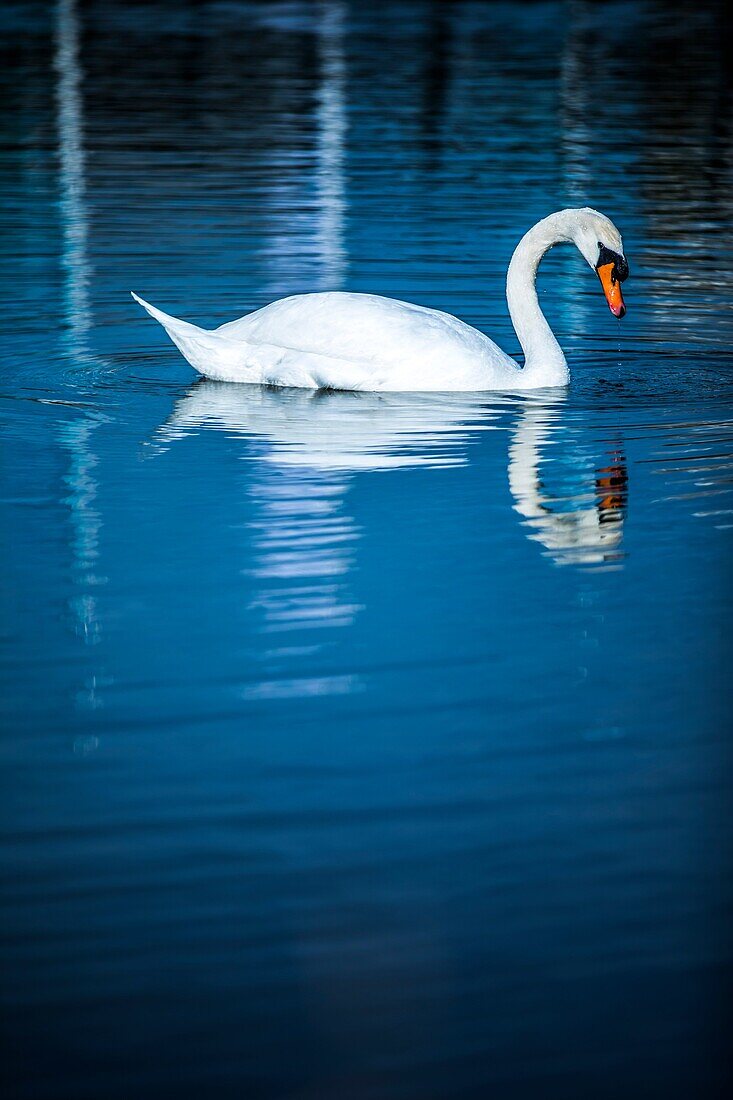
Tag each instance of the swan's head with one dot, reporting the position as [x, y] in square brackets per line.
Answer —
[600, 242]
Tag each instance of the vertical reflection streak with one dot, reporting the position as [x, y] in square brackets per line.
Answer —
[72, 159]
[330, 155]
[86, 522]
[76, 437]
[304, 543]
[577, 139]
[576, 142]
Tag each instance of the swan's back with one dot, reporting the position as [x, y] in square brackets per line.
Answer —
[408, 344]
[345, 341]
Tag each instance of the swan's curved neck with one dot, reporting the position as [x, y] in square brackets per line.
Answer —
[543, 357]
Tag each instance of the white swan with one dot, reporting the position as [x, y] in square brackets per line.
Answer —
[364, 342]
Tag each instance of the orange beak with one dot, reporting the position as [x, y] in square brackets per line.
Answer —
[612, 289]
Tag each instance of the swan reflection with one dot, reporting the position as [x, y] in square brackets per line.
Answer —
[309, 444]
[320, 430]
[581, 522]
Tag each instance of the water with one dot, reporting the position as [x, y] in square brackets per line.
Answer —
[363, 746]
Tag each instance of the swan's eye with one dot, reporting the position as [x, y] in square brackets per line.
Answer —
[608, 256]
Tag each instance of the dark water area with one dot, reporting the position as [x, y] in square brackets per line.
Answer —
[363, 746]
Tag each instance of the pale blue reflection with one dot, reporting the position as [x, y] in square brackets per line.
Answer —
[313, 442]
[331, 116]
[338, 431]
[305, 202]
[76, 436]
[310, 446]
[72, 183]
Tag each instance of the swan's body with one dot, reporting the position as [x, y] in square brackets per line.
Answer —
[366, 342]
[346, 342]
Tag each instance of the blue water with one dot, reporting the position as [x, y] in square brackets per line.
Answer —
[363, 746]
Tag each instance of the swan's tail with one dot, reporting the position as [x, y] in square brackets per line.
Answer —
[209, 353]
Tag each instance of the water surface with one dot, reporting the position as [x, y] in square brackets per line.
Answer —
[357, 745]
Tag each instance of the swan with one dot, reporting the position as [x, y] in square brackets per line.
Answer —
[343, 341]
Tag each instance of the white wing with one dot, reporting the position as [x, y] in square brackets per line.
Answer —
[345, 341]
